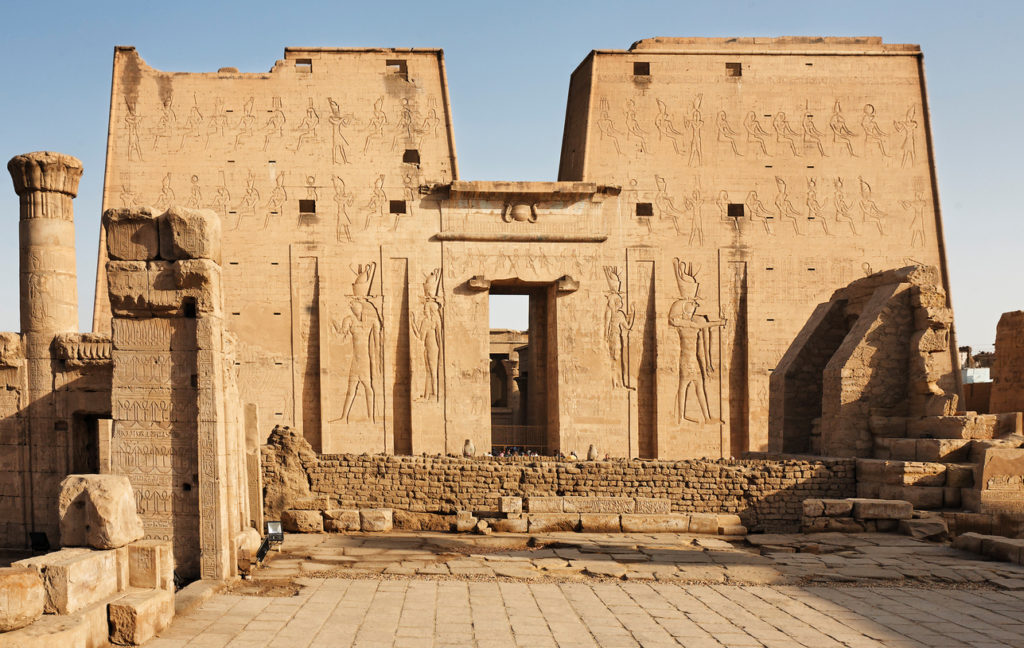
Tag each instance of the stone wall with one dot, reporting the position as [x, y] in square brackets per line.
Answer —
[767, 494]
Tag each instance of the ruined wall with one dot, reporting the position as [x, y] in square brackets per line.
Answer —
[784, 168]
[693, 215]
[1008, 368]
[767, 494]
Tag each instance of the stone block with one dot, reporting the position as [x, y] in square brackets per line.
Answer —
[378, 519]
[706, 523]
[75, 578]
[190, 234]
[868, 490]
[959, 475]
[732, 530]
[97, 511]
[884, 526]
[837, 507]
[922, 497]
[844, 525]
[465, 521]
[903, 449]
[132, 234]
[573, 504]
[543, 504]
[944, 450]
[600, 523]
[916, 473]
[511, 525]
[22, 595]
[665, 523]
[969, 541]
[337, 520]
[655, 505]
[728, 519]
[813, 507]
[151, 564]
[932, 528]
[510, 505]
[881, 509]
[302, 521]
[138, 617]
[887, 426]
[553, 522]
[1005, 549]
[951, 498]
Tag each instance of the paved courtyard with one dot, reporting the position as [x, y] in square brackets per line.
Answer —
[602, 590]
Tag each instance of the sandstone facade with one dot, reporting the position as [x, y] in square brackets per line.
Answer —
[711, 192]
[1008, 369]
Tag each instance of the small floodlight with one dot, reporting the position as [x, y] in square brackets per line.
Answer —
[273, 535]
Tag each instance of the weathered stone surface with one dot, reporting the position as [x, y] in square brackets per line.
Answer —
[837, 508]
[654, 523]
[132, 234]
[75, 578]
[510, 505]
[416, 521]
[98, 511]
[336, 520]
[285, 478]
[23, 597]
[379, 519]
[294, 521]
[465, 521]
[704, 523]
[151, 564]
[138, 617]
[880, 509]
[551, 522]
[933, 528]
[600, 523]
[574, 504]
[813, 507]
[1007, 377]
[517, 525]
[653, 505]
[543, 504]
[190, 234]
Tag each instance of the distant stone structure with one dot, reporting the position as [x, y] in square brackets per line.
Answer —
[711, 192]
[1008, 366]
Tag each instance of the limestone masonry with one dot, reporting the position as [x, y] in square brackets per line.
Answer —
[711, 193]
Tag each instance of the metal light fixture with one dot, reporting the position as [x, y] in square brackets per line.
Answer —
[273, 535]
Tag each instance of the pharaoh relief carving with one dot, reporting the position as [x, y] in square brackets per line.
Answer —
[342, 201]
[606, 127]
[618, 322]
[307, 128]
[361, 331]
[756, 134]
[917, 231]
[696, 364]
[842, 136]
[726, 133]
[428, 331]
[132, 124]
[339, 122]
[694, 123]
[869, 209]
[666, 129]
[273, 129]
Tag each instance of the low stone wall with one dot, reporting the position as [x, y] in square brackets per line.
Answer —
[766, 494]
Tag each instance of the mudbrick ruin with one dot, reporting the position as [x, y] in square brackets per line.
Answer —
[739, 323]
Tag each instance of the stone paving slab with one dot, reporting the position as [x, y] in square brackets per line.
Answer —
[361, 612]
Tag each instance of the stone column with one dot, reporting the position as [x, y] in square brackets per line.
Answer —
[45, 183]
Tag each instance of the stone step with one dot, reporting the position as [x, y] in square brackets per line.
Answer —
[137, 617]
[86, 628]
[873, 473]
[930, 450]
[76, 578]
[966, 426]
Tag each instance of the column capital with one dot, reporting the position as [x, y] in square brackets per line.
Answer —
[45, 171]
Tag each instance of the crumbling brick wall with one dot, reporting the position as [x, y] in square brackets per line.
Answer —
[767, 494]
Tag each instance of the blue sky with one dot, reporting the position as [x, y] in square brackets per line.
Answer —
[508, 68]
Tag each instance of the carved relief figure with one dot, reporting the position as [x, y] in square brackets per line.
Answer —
[338, 122]
[664, 203]
[907, 128]
[364, 328]
[429, 330]
[694, 205]
[918, 204]
[815, 208]
[222, 198]
[375, 128]
[378, 201]
[812, 136]
[195, 195]
[430, 123]
[132, 122]
[695, 359]
[274, 128]
[342, 200]
[307, 127]
[722, 202]
[217, 123]
[606, 127]
[873, 134]
[128, 197]
[363, 282]
[757, 211]
[278, 197]
[842, 207]
[247, 124]
[663, 122]
[783, 206]
[249, 200]
[726, 133]
[695, 123]
[408, 116]
[784, 133]
[868, 208]
[842, 136]
[193, 125]
[617, 325]
[633, 126]
[166, 198]
[755, 134]
[165, 125]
